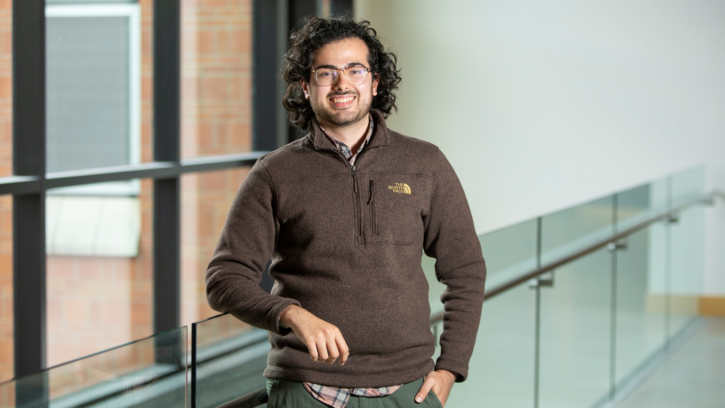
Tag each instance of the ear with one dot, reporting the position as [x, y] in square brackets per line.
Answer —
[305, 88]
[376, 81]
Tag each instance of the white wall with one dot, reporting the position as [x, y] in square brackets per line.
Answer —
[543, 105]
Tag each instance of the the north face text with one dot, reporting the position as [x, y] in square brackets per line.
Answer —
[400, 188]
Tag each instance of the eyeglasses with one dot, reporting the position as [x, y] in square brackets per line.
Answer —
[355, 75]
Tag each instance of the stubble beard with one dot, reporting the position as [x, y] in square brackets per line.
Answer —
[342, 118]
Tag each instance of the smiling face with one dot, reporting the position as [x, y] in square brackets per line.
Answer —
[342, 103]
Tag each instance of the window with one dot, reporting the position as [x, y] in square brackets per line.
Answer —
[93, 91]
[93, 120]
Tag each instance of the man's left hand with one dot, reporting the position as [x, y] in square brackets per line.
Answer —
[440, 381]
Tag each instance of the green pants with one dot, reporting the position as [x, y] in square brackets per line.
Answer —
[292, 394]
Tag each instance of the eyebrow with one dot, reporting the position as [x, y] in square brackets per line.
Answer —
[352, 64]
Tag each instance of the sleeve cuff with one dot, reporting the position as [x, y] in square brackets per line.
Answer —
[460, 371]
[284, 330]
[276, 325]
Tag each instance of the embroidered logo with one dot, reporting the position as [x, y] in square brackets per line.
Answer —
[400, 188]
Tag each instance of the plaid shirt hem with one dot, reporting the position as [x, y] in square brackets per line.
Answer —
[338, 397]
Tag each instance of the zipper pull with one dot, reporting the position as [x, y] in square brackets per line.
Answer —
[354, 178]
[370, 198]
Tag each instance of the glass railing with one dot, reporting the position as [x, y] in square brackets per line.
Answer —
[579, 302]
[228, 358]
[145, 373]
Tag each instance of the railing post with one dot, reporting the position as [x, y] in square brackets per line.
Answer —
[192, 387]
[613, 248]
[672, 218]
[537, 324]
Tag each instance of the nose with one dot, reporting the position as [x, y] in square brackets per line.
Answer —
[340, 81]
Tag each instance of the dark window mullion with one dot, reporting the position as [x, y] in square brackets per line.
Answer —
[29, 277]
[341, 7]
[269, 43]
[166, 201]
[297, 10]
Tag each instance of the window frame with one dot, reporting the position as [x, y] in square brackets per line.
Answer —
[133, 12]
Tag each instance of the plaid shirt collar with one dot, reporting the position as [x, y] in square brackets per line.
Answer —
[345, 149]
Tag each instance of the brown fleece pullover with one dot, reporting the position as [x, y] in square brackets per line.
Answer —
[345, 244]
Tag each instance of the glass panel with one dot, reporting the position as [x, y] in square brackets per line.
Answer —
[230, 359]
[205, 202]
[575, 334]
[6, 288]
[640, 203]
[502, 365]
[687, 267]
[6, 89]
[572, 229]
[688, 185]
[686, 246]
[508, 252]
[146, 373]
[640, 321]
[216, 58]
[99, 268]
[98, 73]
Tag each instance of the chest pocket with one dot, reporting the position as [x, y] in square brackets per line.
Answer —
[394, 206]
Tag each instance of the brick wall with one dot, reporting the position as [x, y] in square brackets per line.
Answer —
[6, 88]
[6, 202]
[216, 105]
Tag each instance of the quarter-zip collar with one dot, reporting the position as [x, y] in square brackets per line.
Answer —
[381, 137]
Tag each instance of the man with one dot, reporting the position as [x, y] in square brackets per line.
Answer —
[344, 213]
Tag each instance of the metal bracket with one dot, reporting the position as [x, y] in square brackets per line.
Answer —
[545, 280]
[709, 201]
[672, 218]
[620, 245]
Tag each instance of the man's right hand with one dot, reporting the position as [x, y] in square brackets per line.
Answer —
[323, 340]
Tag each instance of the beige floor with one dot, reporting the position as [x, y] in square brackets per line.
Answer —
[693, 377]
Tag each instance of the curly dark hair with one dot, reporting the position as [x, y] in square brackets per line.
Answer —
[318, 32]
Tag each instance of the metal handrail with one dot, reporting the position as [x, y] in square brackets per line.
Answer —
[259, 397]
[499, 289]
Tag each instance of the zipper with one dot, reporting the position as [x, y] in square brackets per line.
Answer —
[358, 221]
[371, 202]
[358, 205]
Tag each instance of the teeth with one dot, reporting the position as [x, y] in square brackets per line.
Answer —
[343, 100]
